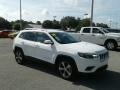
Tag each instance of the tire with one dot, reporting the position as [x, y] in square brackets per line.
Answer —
[66, 69]
[19, 56]
[111, 45]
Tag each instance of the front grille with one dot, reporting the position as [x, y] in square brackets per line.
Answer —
[103, 56]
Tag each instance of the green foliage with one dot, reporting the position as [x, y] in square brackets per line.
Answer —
[102, 25]
[51, 24]
[38, 23]
[17, 23]
[56, 24]
[83, 23]
[4, 24]
[68, 22]
[16, 26]
[47, 24]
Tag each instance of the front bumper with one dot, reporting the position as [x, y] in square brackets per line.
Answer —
[118, 44]
[91, 66]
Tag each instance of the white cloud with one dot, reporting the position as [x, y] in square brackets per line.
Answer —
[36, 14]
[45, 12]
[71, 2]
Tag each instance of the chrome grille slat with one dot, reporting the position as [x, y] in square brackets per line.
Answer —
[103, 56]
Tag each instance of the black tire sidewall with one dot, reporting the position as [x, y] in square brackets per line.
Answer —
[114, 43]
[22, 62]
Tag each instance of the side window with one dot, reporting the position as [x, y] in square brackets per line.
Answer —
[86, 30]
[22, 35]
[41, 37]
[28, 36]
[95, 30]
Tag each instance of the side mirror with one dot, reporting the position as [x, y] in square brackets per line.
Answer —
[48, 42]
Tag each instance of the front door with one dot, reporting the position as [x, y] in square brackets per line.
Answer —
[44, 51]
[97, 36]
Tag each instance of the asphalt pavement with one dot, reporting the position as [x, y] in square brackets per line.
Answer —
[36, 76]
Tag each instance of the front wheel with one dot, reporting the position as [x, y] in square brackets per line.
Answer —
[19, 56]
[111, 45]
[66, 69]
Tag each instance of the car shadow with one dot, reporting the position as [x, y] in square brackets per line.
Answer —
[110, 80]
[117, 50]
[107, 81]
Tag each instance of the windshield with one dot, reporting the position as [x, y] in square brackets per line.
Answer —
[63, 38]
[105, 30]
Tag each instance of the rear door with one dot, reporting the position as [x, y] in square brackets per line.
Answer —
[28, 43]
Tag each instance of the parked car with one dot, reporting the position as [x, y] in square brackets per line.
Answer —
[4, 33]
[113, 30]
[13, 35]
[100, 36]
[60, 49]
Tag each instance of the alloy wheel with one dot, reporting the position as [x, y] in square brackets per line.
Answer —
[65, 69]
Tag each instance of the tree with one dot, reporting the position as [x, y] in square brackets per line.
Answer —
[4, 24]
[38, 23]
[56, 24]
[24, 23]
[83, 23]
[68, 22]
[102, 25]
[47, 24]
[16, 26]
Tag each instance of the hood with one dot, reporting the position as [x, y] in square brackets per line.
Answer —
[83, 47]
[113, 34]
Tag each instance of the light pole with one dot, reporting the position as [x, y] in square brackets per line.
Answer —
[85, 16]
[54, 17]
[92, 8]
[110, 23]
[20, 16]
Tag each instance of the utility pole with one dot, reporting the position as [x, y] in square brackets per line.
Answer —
[92, 8]
[20, 15]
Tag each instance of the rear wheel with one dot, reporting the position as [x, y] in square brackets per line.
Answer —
[111, 45]
[66, 69]
[19, 56]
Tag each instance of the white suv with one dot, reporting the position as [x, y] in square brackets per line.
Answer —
[60, 49]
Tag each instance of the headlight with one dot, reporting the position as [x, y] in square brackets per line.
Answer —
[88, 56]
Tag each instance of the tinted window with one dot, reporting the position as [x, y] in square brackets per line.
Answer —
[63, 38]
[28, 36]
[87, 30]
[22, 35]
[41, 37]
[95, 30]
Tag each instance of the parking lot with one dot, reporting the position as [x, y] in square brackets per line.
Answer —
[34, 76]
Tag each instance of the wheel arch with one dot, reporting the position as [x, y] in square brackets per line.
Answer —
[111, 40]
[69, 58]
[17, 48]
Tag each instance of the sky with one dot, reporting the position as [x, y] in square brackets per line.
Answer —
[40, 10]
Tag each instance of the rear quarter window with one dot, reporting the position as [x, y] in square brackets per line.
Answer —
[28, 36]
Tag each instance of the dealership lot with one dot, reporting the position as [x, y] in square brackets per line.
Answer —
[34, 76]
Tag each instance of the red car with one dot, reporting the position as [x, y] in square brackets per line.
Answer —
[4, 34]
